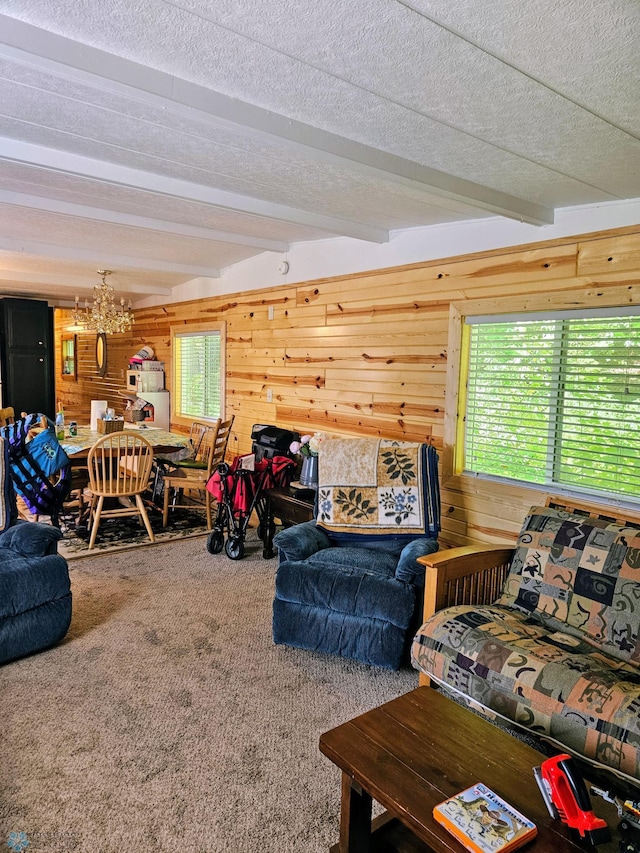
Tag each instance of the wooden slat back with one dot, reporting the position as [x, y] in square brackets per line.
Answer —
[120, 464]
[480, 588]
[624, 518]
[220, 444]
[210, 441]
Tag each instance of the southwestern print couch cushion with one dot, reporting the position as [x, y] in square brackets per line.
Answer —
[580, 575]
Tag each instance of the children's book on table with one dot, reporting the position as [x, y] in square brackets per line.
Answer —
[484, 822]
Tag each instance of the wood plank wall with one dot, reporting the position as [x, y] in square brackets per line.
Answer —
[369, 354]
[76, 395]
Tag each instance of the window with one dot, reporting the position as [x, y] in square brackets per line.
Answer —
[69, 356]
[198, 373]
[555, 400]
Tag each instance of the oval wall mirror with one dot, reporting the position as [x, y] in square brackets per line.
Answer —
[101, 354]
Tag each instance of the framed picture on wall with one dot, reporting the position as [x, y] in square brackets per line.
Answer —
[101, 354]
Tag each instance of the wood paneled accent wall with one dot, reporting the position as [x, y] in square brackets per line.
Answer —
[76, 395]
[375, 353]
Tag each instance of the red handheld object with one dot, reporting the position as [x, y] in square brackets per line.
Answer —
[567, 798]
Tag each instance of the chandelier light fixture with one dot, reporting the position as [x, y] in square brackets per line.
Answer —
[103, 317]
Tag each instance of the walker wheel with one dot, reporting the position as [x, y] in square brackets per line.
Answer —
[235, 549]
[215, 541]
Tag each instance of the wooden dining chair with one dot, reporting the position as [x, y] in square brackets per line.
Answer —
[184, 487]
[7, 416]
[119, 467]
[76, 502]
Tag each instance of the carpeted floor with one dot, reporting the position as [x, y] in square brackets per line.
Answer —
[168, 721]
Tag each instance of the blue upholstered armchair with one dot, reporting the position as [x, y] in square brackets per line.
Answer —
[35, 592]
[348, 583]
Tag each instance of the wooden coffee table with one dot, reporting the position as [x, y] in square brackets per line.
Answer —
[411, 754]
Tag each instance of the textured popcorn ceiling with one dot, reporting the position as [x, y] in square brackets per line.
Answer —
[169, 140]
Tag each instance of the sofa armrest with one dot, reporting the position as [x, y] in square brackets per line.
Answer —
[470, 574]
[31, 539]
[300, 541]
[410, 568]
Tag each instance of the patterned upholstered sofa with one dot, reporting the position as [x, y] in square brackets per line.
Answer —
[558, 650]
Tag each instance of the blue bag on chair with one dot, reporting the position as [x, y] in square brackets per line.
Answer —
[45, 451]
[8, 510]
[32, 461]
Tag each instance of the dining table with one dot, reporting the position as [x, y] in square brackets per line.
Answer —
[170, 445]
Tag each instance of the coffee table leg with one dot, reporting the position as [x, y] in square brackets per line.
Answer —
[355, 818]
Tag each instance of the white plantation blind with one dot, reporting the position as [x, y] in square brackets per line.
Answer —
[556, 401]
[197, 376]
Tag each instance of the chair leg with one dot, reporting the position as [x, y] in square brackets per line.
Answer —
[165, 506]
[143, 514]
[96, 522]
[91, 510]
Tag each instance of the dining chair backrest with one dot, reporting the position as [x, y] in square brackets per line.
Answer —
[190, 476]
[219, 446]
[209, 440]
[201, 437]
[120, 464]
[7, 416]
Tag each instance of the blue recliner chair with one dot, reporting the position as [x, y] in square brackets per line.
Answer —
[35, 591]
[348, 583]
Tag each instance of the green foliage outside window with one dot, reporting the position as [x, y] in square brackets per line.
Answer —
[198, 375]
[556, 402]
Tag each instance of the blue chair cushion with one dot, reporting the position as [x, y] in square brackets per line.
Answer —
[358, 601]
[355, 559]
[369, 594]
